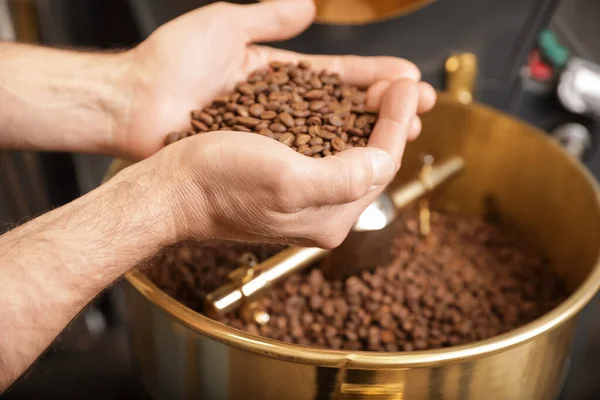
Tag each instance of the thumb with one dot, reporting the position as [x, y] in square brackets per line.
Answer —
[396, 115]
[272, 20]
[346, 177]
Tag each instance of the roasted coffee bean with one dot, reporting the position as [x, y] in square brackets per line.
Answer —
[221, 100]
[245, 88]
[314, 95]
[287, 119]
[242, 111]
[211, 111]
[248, 122]
[316, 148]
[338, 144]
[314, 130]
[280, 78]
[301, 113]
[304, 149]
[356, 132]
[262, 99]
[268, 115]
[241, 128]
[256, 110]
[335, 120]
[315, 140]
[316, 105]
[276, 65]
[267, 132]
[260, 87]
[304, 64]
[316, 83]
[277, 127]
[199, 126]
[302, 139]
[314, 120]
[287, 139]
[261, 125]
[361, 122]
[325, 134]
[349, 122]
[298, 103]
[246, 100]
[299, 129]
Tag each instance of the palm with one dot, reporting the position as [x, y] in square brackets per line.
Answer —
[182, 72]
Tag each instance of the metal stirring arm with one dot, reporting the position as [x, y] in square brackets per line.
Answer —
[249, 282]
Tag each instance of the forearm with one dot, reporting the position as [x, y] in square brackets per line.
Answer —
[51, 267]
[61, 100]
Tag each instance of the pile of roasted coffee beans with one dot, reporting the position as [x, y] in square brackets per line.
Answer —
[189, 271]
[467, 280]
[312, 112]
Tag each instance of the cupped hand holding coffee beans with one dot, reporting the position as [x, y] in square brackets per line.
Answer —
[243, 186]
[232, 185]
[201, 55]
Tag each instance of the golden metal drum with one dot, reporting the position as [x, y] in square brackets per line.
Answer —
[359, 12]
[513, 171]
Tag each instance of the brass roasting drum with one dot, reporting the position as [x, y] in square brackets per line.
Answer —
[532, 183]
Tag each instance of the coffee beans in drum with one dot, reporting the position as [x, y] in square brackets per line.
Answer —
[467, 280]
[312, 112]
[189, 271]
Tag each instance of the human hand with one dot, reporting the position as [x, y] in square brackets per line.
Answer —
[240, 186]
[202, 54]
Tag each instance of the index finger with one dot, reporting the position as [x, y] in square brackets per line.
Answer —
[353, 70]
[396, 115]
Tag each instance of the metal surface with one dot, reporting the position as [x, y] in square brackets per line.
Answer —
[579, 87]
[256, 280]
[461, 74]
[575, 138]
[364, 11]
[534, 186]
[576, 23]
[366, 246]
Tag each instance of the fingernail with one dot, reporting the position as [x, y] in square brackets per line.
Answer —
[383, 168]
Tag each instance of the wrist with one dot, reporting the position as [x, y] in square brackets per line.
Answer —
[144, 205]
[120, 76]
[167, 197]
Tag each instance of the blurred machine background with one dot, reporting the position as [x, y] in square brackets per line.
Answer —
[522, 46]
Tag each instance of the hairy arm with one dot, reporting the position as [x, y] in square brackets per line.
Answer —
[51, 267]
[61, 100]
